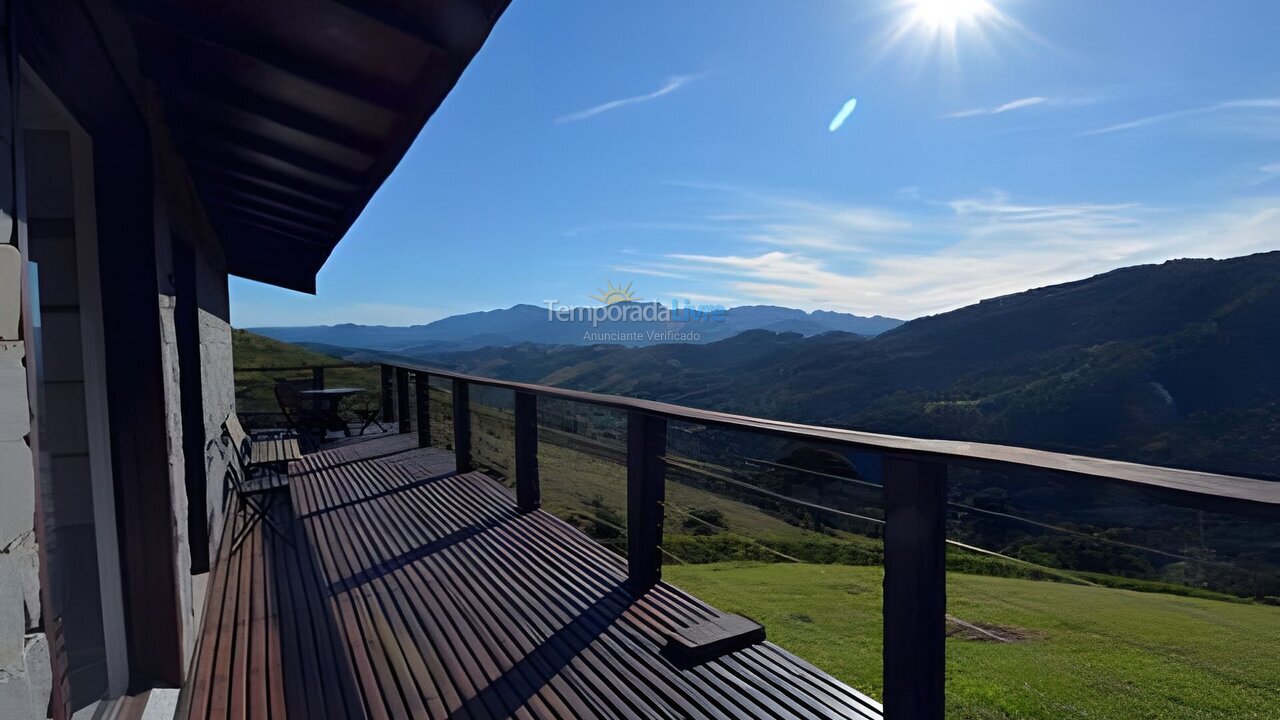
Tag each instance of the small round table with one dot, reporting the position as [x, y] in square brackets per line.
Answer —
[327, 401]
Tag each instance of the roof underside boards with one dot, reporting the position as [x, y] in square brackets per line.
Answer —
[291, 113]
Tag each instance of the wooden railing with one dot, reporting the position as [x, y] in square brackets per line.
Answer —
[914, 473]
[317, 371]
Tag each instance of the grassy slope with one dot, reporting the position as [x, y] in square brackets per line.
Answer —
[582, 487]
[253, 350]
[1101, 653]
[254, 390]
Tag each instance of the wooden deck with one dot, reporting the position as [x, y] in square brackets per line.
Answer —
[412, 591]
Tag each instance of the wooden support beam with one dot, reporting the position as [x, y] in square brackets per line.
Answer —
[308, 231]
[528, 484]
[453, 26]
[646, 488]
[915, 589]
[204, 150]
[422, 399]
[236, 47]
[226, 102]
[323, 161]
[229, 191]
[388, 412]
[247, 227]
[230, 172]
[317, 378]
[462, 426]
[402, 398]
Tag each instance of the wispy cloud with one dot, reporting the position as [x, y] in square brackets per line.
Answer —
[778, 218]
[671, 85]
[980, 247]
[650, 271]
[1267, 173]
[1018, 104]
[697, 297]
[1247, 104]
[1021, 104]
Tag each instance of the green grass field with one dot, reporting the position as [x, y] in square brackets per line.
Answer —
[1087, 652]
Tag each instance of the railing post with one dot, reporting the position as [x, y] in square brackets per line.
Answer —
[528, 485]
[915, 589]
[422, 399]
[402, 398]
[317, 378]
[646, 487]
[387, 411]
[462, 426]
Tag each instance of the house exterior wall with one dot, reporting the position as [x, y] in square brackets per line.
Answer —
[27, 664]
[180, 219]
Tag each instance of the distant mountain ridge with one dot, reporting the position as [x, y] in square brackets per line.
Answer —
[531, 324]
[1171, 364]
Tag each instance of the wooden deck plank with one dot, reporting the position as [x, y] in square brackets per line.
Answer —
[207, 645]
[476, 605]
[387, 626]
[366, 652]
[259, 683]
[608, 655]
[335, 667]
[409, 591]
[418, 604]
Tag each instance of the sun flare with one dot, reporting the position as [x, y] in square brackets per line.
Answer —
[940, 28]
[945, 15]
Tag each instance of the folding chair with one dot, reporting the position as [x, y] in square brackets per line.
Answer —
[257, 475]
[309, 424]
[367, 408]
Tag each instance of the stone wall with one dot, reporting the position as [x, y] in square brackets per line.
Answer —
[218, 387]
[25, 677]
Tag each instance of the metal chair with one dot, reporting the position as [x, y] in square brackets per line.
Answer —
[256, 492]
[300, 413]
[367, 409]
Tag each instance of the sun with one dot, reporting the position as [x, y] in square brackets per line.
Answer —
[945, 15]
[940, 28]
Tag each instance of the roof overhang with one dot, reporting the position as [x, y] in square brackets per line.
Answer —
[289, 114]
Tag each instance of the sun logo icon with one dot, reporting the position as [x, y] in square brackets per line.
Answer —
[612, 294]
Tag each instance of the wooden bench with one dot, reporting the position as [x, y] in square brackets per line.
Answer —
[258, 472]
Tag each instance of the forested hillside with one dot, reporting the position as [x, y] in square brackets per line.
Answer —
[1172, 364]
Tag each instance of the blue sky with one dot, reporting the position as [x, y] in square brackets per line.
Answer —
[684, 146]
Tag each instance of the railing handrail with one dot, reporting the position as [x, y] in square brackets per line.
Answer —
[298, 368]
[1205, 484]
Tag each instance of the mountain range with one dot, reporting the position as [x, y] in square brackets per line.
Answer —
[1172, 364]
[533, 324]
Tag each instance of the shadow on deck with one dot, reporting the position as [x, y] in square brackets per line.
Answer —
[407, 590]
